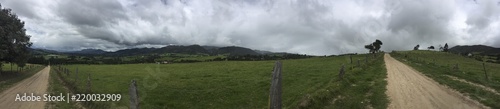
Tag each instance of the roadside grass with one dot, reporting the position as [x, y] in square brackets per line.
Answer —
[362, 87]
[9, 78]
[438, 65]
[56, 87]
[241, 84]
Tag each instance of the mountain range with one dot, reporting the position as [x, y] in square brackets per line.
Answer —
[481, 49]
[190, 49]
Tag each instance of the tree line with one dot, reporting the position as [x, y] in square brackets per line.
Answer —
[14, 42]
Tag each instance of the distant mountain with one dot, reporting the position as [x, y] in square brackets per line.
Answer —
[234, 50]
[132, 51]
[263, 52]
[88, 52]
[191, 49]
[38, 51]
[482, 49]
[210, 47]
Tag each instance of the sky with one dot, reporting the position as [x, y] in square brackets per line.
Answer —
[314, 27]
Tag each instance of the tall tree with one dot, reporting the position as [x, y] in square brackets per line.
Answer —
[374, 47]
[445, 49]
[14, 42]
[377, 44]
[416, 47]
[370, 47]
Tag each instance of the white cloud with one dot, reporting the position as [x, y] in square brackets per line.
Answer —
[313, 27]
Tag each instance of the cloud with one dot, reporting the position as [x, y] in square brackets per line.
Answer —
[318, 27]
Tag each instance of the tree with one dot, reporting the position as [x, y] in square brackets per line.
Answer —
[374, 47]
[431, 47]
[445, 48]
[377, 44]
[440, 47]
[370, 47]
[72, 57]
[416, 47]
[14, 42]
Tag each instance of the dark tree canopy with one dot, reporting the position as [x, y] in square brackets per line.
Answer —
[14, 42]
[374, 47]
[445, 48]
[431, 47]
[370, 47]
[416, 47]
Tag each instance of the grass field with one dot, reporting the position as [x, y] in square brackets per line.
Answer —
[56, 87]
[308, 83]
[439, 66]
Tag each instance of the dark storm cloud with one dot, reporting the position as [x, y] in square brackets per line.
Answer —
[315, 27]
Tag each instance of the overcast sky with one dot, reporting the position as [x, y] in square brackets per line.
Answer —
[315, 27]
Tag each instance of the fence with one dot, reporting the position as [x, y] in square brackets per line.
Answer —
[452, 68]
[276, 83]
[76, 87]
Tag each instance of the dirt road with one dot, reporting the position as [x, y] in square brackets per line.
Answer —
[409, 89]
[36, 84]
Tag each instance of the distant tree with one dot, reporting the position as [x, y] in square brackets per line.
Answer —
[431, 47]
[416, 47]
[445, 48]
[72, 57]
[440, 47]
[370, 47]
[14, 42]
[377, 44]
[374, 47]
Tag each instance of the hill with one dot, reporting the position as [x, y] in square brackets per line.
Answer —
[39, 51]
[191, 49]
[234, 50]
[480, 49]
[88, 52]
[180, 49]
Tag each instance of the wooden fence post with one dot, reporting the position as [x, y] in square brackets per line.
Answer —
[134, 95]
[275, 91]
[350, 56]
[342, 72]
[485, 74]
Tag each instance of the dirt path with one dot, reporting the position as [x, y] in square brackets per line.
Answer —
[36, 84]
[409, 89]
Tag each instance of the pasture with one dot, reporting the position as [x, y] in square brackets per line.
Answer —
[307, 83]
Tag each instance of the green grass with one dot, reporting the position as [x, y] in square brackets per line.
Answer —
[241, 84]
[56, 87]
[6, 67]
[439, 64]
[9, 78]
